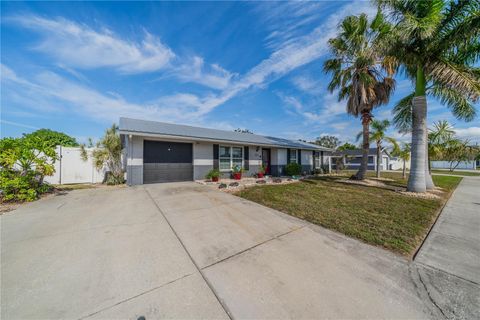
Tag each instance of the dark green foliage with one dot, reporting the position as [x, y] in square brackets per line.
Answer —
[347, 146]
[53, 138]
[23, 164]
[214, 173]
[293, 169]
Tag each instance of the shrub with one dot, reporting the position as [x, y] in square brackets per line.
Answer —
[293, 169]
[23, 164]
[214, 173]
[108, 154]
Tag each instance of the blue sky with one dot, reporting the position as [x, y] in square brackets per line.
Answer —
[78, 67]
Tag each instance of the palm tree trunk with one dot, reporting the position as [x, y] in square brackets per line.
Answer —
[404, 172]
[416, 179]
[379, 159]
[366, 118]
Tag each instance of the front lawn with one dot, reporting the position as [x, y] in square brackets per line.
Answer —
[375, 215]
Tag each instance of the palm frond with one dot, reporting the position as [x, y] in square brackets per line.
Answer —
[461, 107]
[402, 111]
[455, 76]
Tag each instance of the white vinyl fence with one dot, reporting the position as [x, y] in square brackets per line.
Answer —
[446, 165]
[70, 168]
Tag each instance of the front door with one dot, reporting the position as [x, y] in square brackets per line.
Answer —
[266, 160]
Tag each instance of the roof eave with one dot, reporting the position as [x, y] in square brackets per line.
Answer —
[194, 139]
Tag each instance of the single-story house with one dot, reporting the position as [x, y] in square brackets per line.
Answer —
[353, 158]
[165, 152]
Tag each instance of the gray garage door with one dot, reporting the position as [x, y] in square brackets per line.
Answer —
[167, 161]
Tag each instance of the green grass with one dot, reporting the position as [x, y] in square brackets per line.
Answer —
[374, 215]
[458, 173]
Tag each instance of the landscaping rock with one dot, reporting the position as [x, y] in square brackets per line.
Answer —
[277, 180]
[261, 181]
[234, 184]
[222, 186]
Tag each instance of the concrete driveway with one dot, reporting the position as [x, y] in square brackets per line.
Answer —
[183, 250]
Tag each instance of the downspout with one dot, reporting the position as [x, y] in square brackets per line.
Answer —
[129, 165]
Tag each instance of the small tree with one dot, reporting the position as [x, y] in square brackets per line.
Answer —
[108, 153]
[328, 142]
[53, 138]
[456, 151]
[404, 154]
[346, 146]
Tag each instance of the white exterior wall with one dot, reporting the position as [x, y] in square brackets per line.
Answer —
[203, 154]
[70, 168]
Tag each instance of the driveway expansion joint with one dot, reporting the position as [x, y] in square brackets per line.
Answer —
[212, 289]
[252, 247]
[135, 296]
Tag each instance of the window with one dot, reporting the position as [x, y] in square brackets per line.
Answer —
[224, 157]
[293, 156]
[230, 157]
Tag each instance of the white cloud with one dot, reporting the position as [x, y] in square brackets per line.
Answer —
[57, 94]
[81, 46]
[195, 70]
[285, 20]
[308, 84]
[471, 133]
[18, 124]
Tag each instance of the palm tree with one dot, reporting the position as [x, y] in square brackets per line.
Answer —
[436, 44]
[379, 135]
[404, 154]
[438, 137]
[359, 74]
[108, 153]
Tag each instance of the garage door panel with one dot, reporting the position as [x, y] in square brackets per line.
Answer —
[167, 162]
[167, 152]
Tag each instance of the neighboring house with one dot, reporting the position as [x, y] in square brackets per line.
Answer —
[164, 152]
[395, 163]
[353, 158]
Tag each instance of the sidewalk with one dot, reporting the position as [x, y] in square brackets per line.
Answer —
[450, 256]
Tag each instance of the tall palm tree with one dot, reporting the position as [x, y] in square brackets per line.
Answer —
[378, 133]
[359, 74]
[436, 44]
